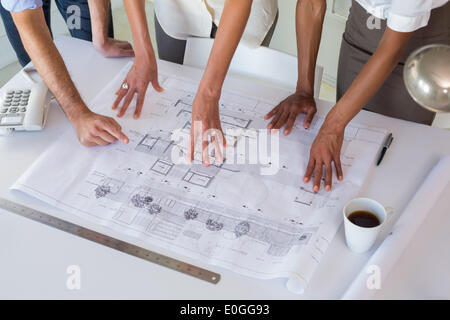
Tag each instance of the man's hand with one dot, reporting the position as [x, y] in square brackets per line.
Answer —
[112, 48]
[206, 122]
[100, 20]
[325, 149]
[287, 111]
[143, 72]
[94, 129]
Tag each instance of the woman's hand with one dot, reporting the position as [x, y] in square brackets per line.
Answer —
[206, 125]
[143, 72]
[325, 149]
[287, 111]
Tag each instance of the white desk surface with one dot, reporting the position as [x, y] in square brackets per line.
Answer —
[34, 257]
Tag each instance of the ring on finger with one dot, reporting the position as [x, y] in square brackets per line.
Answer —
[125, 86]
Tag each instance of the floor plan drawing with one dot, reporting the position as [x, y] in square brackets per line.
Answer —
[252, 214]
[197, 178]
[146, 207]
[154, 144]
[226, 120]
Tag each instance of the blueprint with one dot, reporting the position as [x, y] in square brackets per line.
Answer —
[252, 214]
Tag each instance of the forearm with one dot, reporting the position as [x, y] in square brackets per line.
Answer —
[39, 45]
[309, 20]
[371, 77]
[138, 21]
[232, 24]
[99, 11]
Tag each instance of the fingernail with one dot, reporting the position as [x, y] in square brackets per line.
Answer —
[316, 189]
[327, 188]
[305, 179]
[274, 131]
[286, 132]
[341, 177]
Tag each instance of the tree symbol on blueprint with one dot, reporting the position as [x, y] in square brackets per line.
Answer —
[154, 209]
[140, 201]
[191, 214]
[242, 228]
[213, 225]
[102, 191]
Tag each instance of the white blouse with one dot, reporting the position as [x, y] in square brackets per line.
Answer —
[181, 19]
[402, 15]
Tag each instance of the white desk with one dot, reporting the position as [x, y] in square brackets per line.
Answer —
[34, 257]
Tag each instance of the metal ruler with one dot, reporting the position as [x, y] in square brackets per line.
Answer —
[110, 242]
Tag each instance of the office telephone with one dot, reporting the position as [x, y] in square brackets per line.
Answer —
[25, 108]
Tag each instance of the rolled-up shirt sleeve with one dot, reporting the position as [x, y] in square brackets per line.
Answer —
[20, 5]
[410, 15]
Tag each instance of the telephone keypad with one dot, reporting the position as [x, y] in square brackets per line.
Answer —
[13, 106]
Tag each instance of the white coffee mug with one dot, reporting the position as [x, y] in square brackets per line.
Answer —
[361, 239]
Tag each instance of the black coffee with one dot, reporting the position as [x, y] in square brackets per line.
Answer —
[364, 219]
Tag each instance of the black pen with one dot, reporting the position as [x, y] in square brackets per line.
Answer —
[387, 144]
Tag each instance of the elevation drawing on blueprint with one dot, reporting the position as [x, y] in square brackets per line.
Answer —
[252, 214]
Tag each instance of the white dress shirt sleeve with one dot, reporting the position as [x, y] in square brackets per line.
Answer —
[410, 15]
[20, 5]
